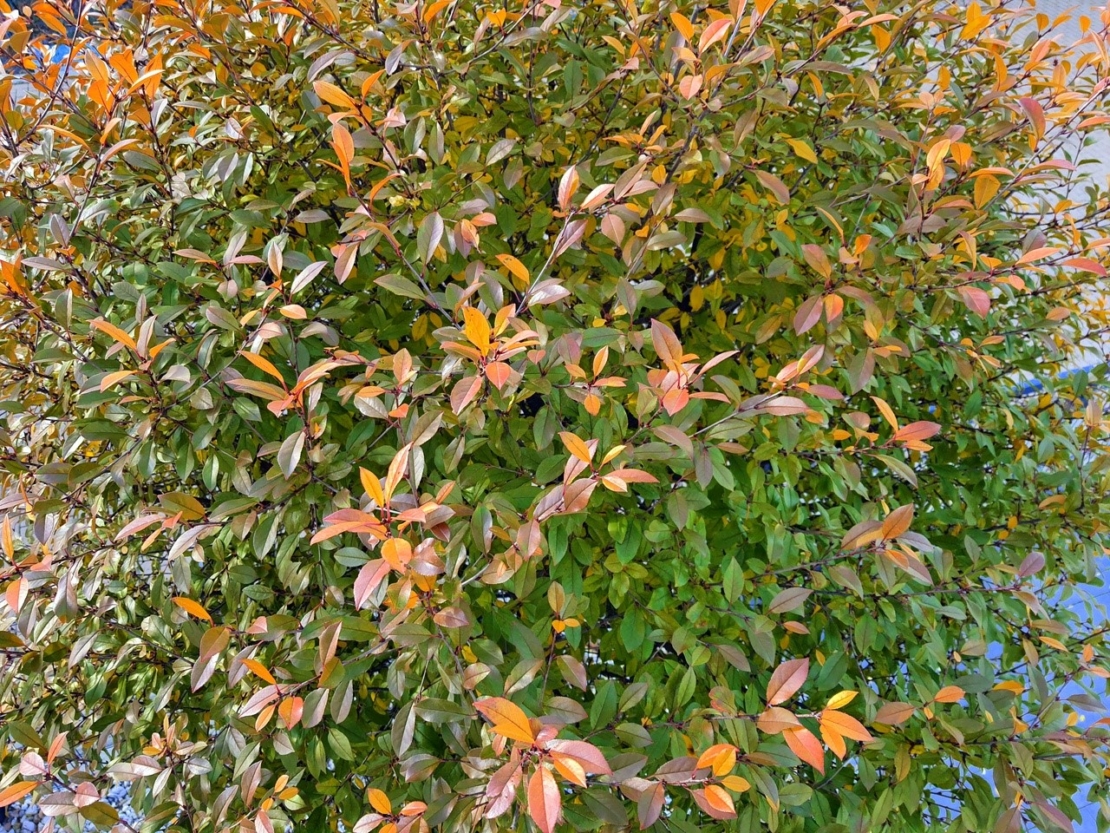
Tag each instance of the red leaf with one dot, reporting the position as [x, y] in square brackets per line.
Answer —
[808, 314]
[667, 345]
[369, 577]
[544, 801]
[501, 790]
[786, 680]
[1035, 113]
[976, 300]
[464, 392]
[916, 431]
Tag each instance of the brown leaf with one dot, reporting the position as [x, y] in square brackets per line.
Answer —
[892, 714]
[789, 599]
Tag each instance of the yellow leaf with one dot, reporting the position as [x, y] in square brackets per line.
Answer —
[372, 486]
[721, 758]
[517, 269]
[736, 783]
[886, 411]
[476, 329]
[802, 148]
[1012, 686]
[839, 701]
[985, 189]
[333, 95]
[192, 608]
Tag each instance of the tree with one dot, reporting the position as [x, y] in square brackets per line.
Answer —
[441, 415]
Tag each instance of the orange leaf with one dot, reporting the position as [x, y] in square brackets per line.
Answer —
[12, 794]
[343, 143]
[719, 799]
[846, 725]
[917, 431]
[898, 521]
[379, 801]
[805, 745]
[568, 185]
[834, 740]
[508, 719]
[264, 365]
[666, 344]
[683, 25]
[1036, 254]
[114, 331]
[786, 680]
[777, 719]
[113, 379]
[192, 608]
[576, 446]
[498, 373]
[949, 694]
[714, 32]
[260, 670]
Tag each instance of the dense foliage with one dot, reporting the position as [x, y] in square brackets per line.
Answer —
[441, 415]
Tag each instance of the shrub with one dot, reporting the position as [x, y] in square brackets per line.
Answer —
[437, 415]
